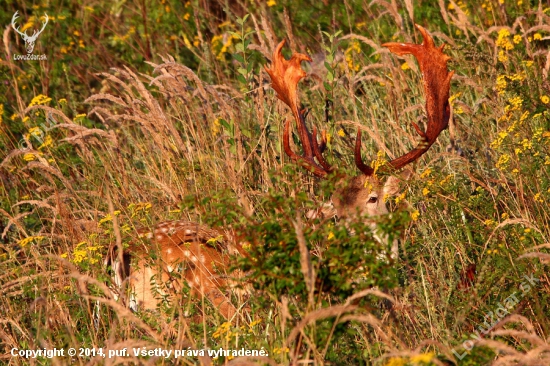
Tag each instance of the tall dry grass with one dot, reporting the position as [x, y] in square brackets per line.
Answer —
[178, 143]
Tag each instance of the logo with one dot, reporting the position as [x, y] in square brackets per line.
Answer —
[29, 40]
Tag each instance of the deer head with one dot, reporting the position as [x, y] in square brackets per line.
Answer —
[29, 40]
[364, 194]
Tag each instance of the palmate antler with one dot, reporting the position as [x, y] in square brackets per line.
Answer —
[285, 75]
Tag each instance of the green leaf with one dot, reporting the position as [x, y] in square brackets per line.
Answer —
[238, 57]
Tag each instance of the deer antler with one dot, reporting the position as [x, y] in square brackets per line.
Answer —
[37, 33]
[437, 80]
[13, 19]
[285, 76]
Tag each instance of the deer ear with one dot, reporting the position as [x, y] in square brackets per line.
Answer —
[392, 185]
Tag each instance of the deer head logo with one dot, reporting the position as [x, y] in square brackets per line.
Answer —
[29, 40]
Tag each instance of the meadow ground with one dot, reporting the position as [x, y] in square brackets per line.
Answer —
[153, 110]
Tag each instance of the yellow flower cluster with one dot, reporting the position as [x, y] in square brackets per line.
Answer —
[39, 100]
[503, 161]
[138, 208]
[223, 42]
[420, 359]
[225, 331]
[380, 161]
[354, 48]
[82, 252]
[120, 39]
[502, 80]
[501, 84]
[538, 198]
[216, 126]
[27, 240]
[48, 141]
[503, 40]
[107, 218]
[278, 350]
[29, 157]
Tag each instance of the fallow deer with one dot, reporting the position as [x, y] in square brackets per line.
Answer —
[200, 254]
[364, 194]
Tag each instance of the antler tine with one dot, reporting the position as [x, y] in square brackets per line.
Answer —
[285, 76]
[437, 81]
[13, 19]
[364, 168]
[305, 161]
[43, 26]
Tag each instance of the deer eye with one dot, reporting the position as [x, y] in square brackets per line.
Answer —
[373, 199]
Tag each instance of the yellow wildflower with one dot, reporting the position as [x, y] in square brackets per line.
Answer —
[48, 141]
[426, 173]
[216, 126]
[29, 157]
[27, 240]
[401, 197]
[537, 37]
[501, 84]
[39, 99]
[271, 3]
[503, 161]
[502, 57]
[545, 99]
[503, 40]
[422, 358]
[399, 361]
